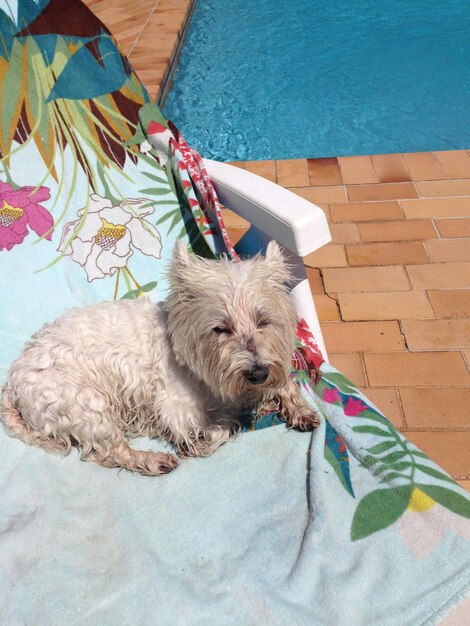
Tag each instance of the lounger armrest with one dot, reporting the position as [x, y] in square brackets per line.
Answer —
[293, 221]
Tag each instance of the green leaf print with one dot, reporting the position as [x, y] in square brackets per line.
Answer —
[342, 383]
[372, 430]
[382, 447]
[434, 473]
[394, 456]
[446, 497]
[378, 510]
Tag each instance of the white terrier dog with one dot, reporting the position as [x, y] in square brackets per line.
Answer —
[183, 370]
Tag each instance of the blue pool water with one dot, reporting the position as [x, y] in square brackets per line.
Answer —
[272, 79]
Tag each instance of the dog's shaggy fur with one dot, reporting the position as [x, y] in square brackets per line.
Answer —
[182, 371]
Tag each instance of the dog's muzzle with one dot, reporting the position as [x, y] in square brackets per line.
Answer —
[257, 375]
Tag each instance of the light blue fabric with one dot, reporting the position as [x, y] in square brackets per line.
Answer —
[258, 533]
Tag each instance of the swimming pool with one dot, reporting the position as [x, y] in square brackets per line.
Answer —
[272, 79]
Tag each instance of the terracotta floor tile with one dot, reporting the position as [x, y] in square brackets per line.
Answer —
[454, 228]
[362, 336]
[319, 195]
[365, 211]
[232, 220]
[466, 356]
[456, 163]
[344, 233]
[314, 280]
[437, 334]
[266, 169]
[293, 173]
[324, 172]
[240, 164]
[436, 408]
[327, 308]
[390, 168]
[351, 366]
[325, 208]
[355, 279]
[447, 449]
[442, 250]
[424, 166]
[436, 207]
[331, 255]
[417, 369]
[357, 170]
[440, 275]
[443, 188]
[450, 303]
[386, 400]
[394, 253]
[394, 305]
[397, 231]
[235, 234]
[381, 191]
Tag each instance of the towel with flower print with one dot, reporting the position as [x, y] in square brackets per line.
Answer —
[351, 524]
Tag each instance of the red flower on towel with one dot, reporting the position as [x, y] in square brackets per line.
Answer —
[342, 446]
[20, 209]
[331, 395]
[354, 407]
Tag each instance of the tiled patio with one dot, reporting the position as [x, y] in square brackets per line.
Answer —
[393, 288]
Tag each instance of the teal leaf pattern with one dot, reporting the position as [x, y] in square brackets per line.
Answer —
[96, 77]
[336, 453]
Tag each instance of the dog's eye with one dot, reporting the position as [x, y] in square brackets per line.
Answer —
[221, 330]
[263, 324]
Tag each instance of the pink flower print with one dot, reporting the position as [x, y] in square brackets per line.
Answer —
[20, 209]
[354, 407]
[331, 395]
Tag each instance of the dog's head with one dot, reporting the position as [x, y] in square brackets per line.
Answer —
[232, 323]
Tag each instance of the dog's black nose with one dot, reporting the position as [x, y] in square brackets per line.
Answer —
[257, 374]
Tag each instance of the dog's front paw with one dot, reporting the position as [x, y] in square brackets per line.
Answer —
[304, 421]
[204, 442]
[159, 463]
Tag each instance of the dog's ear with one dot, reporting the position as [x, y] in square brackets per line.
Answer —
[183, 268]
[274, 253]
[180, 252]
[276, 263]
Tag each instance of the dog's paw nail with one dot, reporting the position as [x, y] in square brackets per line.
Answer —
[162, 464]
[167, 468]
[171, 461]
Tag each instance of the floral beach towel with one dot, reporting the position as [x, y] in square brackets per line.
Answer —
[351, 524]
